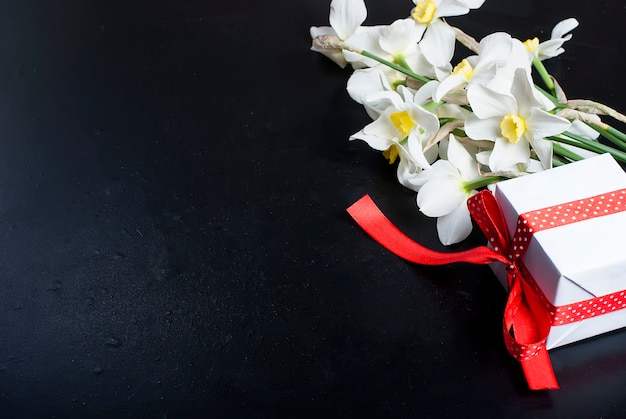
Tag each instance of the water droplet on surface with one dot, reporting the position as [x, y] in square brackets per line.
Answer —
[113, 342]
[55, 286]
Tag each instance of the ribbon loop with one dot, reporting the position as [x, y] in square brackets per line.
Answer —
[486, 212]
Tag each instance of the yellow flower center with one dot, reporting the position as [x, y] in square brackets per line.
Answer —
[403, 122]
[424, 11]
[512, 127]
[531, 44]
[391, 154]
[464, 68]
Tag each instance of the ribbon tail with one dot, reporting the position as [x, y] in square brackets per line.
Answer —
[373, 221]
[539, 373]
[527, 325]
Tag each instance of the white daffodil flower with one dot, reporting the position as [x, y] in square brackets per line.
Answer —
[439, 38]
[402, 130]
[493, 53]
[346, 17]
[515, 122]
[444, 189]
[367, 81]
[397, 43]
[554, 46]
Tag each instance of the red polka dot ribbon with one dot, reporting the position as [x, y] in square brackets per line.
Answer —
[528, 314]
[570, 212]
[535, 221]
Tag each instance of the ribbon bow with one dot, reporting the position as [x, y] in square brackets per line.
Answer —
[526, 322]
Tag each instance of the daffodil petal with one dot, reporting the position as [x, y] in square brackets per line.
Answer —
[376, 142]
[432, 154]
[388, 97]
[400, 35]
[418, 63]
[482, 157]
[433, 203]
[456, 226]
[450, 110]
[428, 121]
[382, 127]
[346, 16]
[505, 154]
[425, 93]
[584, 130]
[438, 43]
[483, 129]
[407, 94]
[558, 37]
[460, 158]
[487, 103]
[542, 124]
[407, 172]
[550, 49]
[534, 166]
[472, 4]
[365, 40]
[563, 27]
[365, 81]
[455, 81]
[523, 91]
[437, 169]
[416, 150]
[494, 48]
[457, 7]
[543, 149]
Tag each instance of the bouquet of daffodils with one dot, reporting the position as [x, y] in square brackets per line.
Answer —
[455, 129]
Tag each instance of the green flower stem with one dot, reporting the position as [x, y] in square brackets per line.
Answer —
[574, 143]
[602, 148]
[541, 69]
[564, 152]
[430, 106]
[401, 61]
[479, 183]
[616, 133]
[557, 163]
[612, 135]
[590, 145]
[396, 67]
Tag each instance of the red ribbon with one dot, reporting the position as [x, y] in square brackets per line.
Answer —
[528, 314]
[526, 321]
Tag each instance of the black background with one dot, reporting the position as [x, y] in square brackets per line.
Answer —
[174, 242]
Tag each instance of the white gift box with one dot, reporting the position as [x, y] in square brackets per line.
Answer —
[578, 261]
